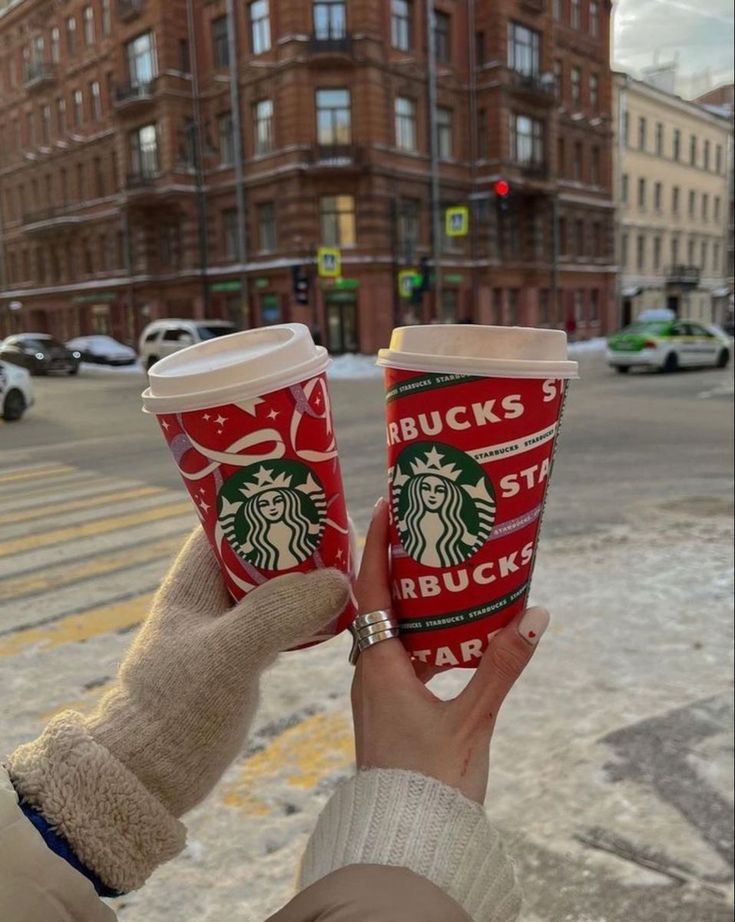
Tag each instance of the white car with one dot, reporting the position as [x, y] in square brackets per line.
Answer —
[102, 350]
[668, 345]
[16, 391]
[164, 337]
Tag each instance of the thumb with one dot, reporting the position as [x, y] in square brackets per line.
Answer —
[284, 612]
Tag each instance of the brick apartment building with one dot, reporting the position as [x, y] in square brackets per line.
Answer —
[122, 180]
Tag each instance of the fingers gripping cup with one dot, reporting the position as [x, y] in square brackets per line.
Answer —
[472, 419]
[247, 419]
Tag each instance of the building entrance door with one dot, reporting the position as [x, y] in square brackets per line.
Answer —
[342, 332]
[672, 302]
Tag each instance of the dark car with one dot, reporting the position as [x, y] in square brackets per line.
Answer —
[40, 354]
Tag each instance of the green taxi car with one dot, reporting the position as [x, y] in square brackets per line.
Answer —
[667, 345]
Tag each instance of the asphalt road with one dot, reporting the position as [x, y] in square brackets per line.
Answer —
[612, 769]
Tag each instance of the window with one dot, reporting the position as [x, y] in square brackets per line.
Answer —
[514, 299]
[692, 203]
[595, 170]
[594, 92]
[597, 239]
[657, 196]
[141, 58]
[659, 139]
[716, 257]
[71, 36]
[576, 19]
[55, 41]
[30, 129]
[99, 179]
[226, 139]
[578, 164]
[80, 182]
[675, 251]
[624, 250]
[576, 75]
[400, 24]
[408, 229]
[624, 188]
[479, 49]
[675, 196]
[641, 252]
[656, 254]
[556, 9]
[263, 119]
[626, 128]
[405, 124]
[482, 138]
[266, 217]
[444, 132]
[544, 307]
[717, 208]
[184, 56]
[78, 108]
[703, 254]
[229, 233]
[95, 96]
[642, 132]
[527, 140]
[523, 50]
[46, 125]
[187, 151]
[220, 48]
[690, 251]
[442, 36]
[579, 306]
[677, 144]
[106, 29]
[144, 151]
[594, 19]
[693, 150]
[330, 19]
[558, 80]
[333, 117]
[260, 26]
[88, 20]
[595, 305]
[337, 214]
[642, 193]
[561, 156]
[705, 206]
[64, 183]
[718, 158]
[705, 155]
[579, 233]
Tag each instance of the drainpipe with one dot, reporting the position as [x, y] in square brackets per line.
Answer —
[474, 151]
[436, 237]
[242, 242]
[201, 202]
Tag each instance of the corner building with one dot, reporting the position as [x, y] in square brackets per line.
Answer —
[137, 180]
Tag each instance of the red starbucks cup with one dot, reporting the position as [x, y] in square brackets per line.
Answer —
[248, 421]
[472, 419]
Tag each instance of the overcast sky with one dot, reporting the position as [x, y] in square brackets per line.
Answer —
[700, 31]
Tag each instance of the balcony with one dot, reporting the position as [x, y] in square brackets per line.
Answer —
[50, 220]
[129, 9]
[539, 88]
[339, 48]
[39, 74]
[329, 157]
[682, 276]
[134, 95]
[141, 180]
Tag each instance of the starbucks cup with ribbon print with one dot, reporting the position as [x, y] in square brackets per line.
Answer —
[472, 419]
[247, 419]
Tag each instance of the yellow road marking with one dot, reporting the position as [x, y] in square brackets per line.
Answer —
[88, 529]
[51, 471]
[75, 628]
[318, 746]
[78, 480]
[63, 574]
[76, 505]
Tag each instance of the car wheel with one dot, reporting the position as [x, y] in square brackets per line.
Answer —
[74, 370]
[723, 359]
[152, 359]
[14, 407]
[671, 364]
[622, 369]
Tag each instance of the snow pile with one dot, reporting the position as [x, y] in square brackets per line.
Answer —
[90, 368]
[354, 366]
[598, 344]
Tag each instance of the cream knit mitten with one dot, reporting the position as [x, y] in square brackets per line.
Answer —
[400, 818]
[114, 783]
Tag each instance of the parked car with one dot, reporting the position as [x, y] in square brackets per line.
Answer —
[164, 337]
[40, 354]
[667, 345]
[16, 391]
[102, 350]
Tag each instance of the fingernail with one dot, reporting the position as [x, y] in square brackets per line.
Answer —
[378, 506]
[533, 624]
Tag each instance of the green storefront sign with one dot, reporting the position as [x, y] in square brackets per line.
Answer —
[454, 278]
[105, 297]
[339, 297]
[262, 283]
[340, 284]
[225, 286]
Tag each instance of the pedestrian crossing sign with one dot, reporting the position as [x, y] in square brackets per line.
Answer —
[408, 279]
[458, 221]
[329, 263]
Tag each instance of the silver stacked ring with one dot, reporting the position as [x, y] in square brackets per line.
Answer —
[371, 628]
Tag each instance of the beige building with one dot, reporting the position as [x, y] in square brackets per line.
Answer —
[672, 194]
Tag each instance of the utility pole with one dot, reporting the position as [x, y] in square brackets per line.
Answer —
[436, 217]
[242, 243]
[474, 153]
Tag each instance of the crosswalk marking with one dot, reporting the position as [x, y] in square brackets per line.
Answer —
[83, 483]
[14, 476]
[89, 502]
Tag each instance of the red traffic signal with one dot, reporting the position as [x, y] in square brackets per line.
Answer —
[501, 188]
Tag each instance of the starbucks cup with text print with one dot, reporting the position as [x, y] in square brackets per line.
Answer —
[472, 419]
[247, 419]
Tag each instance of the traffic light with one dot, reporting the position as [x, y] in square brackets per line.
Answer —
[300, 285]
[425, 273]
[503, 199]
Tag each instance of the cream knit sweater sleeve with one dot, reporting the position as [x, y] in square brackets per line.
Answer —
[385, 816]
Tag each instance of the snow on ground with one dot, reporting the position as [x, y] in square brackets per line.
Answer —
[90, 368]
[598, 344]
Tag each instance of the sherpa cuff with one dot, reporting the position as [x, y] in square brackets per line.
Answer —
[115, 826]
[400, 818]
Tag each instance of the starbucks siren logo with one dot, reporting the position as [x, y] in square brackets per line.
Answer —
[273, 513]
[443, 504]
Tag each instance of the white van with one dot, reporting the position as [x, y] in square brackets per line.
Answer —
[164, 337]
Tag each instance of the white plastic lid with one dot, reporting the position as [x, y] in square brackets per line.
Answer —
[470, 349]
[232, 368]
